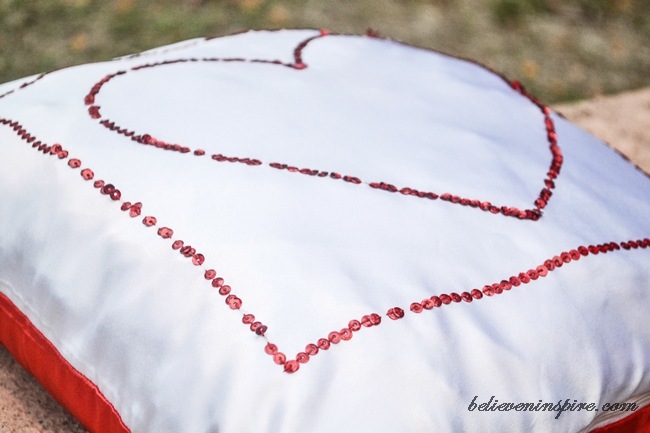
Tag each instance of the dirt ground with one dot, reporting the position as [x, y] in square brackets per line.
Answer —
[622, 120]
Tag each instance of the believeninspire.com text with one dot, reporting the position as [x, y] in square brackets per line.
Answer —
[559, 407]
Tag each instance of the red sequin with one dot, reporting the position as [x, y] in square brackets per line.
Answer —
[233, 301]
[488, 290]
[566, 258]
[165, 232]
[199, 152]
[94, 112]
[254, 325]
[542, 271]
[334, 337]
[209, 274]
[365, 321]
[279, 358]
[248, 319]
[311, 349]
[524, 278]
[323, 344]
[302, 358]
[198, 259]
[549, 265]
[446, 299]
[271, 349]
[149, 221]
[346, 334]
[395, 313]
[135, 210]
[575, 255]
[217, 282]
[477, 294]
[354, 325]
[223, 290]
[188, 251]
[87, 173]
[291, 366]
[125, 206]
[427, 304]
[375, 318]
[455, 297]
[416, 308]
[74, 163]
[107, 189]
[54, 150]
[467, 297]
[436, 301]
[177, 245]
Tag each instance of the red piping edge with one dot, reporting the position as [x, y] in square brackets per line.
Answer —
[637, 422]
[62, 381]
[85, 402]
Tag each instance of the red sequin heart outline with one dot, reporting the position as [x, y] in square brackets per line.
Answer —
[346, 333]
[148, 139]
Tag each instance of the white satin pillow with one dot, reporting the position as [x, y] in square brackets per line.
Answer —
[370, 211]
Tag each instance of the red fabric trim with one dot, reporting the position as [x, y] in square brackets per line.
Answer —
[636, 422]
[69, 387]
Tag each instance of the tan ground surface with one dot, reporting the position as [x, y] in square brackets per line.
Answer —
[622, 120]
[24, 404]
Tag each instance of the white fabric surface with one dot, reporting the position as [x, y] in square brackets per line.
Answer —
[306, 255]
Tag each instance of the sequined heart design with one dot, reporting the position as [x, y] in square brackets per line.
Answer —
[293, 160]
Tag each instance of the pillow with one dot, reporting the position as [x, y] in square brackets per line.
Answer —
[299, 231]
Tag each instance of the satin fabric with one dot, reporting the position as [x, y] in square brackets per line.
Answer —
[307, 254]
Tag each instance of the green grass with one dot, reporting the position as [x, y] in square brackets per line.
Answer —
[560, 49]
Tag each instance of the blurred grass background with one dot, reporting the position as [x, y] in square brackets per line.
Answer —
[560, 49]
